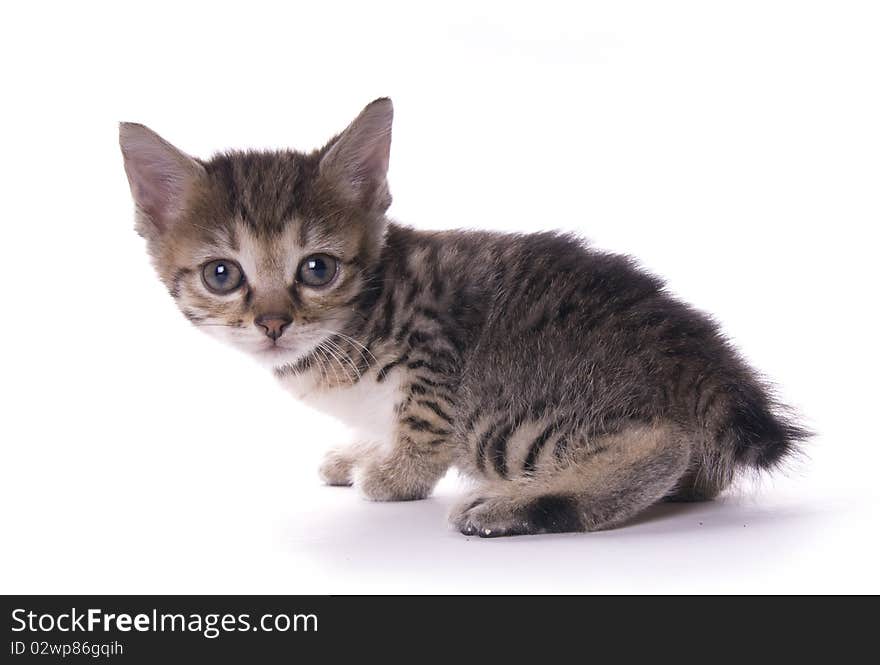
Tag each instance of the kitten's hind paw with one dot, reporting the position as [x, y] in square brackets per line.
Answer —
[492, 517]
[483, 516]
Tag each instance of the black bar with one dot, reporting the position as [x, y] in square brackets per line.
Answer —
[259, 629]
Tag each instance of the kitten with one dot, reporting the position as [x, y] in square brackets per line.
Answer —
[566, 381]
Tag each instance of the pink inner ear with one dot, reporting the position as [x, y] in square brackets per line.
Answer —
[374, 158]
[159, 174]
[148, 191]
[358, 161]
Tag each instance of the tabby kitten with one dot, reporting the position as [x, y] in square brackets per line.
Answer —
[565, 381]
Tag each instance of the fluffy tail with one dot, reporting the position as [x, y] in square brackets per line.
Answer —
[760, 431]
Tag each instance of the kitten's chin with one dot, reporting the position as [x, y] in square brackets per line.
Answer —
[276, 356]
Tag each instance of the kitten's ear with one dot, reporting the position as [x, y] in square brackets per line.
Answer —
[357, 161]
[161, 176]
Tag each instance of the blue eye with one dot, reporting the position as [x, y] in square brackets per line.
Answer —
[222, 276]
[317, 270]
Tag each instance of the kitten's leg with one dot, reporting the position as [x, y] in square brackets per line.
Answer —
[710, 473]
[408, 466]
[693, 489]
[407, 472]
[602, 484]
[418, 456]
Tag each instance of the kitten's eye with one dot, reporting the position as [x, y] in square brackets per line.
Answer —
[222, 276]
[317, 270]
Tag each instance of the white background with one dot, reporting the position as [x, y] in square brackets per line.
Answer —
[734, 147]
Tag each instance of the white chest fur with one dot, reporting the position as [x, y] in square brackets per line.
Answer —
[369, 407]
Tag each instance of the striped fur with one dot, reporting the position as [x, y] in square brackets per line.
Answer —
[566, 381]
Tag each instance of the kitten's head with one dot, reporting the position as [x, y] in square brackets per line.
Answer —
[266, 250]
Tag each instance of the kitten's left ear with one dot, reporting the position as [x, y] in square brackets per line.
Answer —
[357, 161]
[161, 177]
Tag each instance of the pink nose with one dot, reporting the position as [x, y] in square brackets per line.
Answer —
[273, 324]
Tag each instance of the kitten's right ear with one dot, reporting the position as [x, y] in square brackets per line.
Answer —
[161, 177]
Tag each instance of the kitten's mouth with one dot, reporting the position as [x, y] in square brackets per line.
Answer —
[285, 350]
[275, 350]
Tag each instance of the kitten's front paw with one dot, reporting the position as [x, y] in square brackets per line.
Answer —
[381, 482]
[338, 465]
[336, 469]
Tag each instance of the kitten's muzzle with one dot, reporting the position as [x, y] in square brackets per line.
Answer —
[273, 324]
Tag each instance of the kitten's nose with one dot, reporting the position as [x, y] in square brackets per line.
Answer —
[273, 324]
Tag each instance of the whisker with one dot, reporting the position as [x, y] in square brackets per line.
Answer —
[218, 325]
[328, 356]
[354, 342]
[344, 356]
[359, 345]
[322, 364]
[338, 358]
